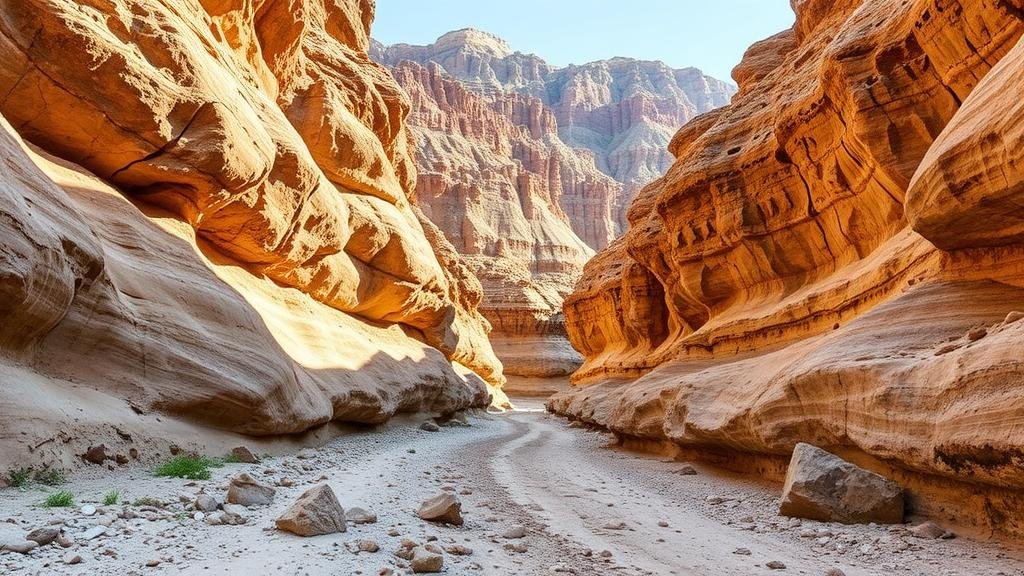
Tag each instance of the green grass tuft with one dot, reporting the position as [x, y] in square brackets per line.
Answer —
[190, 467]
[60, 499]
[111, 498]
[19, 478]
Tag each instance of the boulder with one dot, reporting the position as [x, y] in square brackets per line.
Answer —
[315, 513]
[244, 455]
[360, 516]
[425, 561]
[822, 486]
[444, 508]
[430, 426]
[245, 491]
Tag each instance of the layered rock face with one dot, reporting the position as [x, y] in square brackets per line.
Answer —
[526, 167]
[211, 219]
[834, 258]
[624, 111]
[493, 174]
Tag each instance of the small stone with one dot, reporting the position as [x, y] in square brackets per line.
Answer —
[1013, 317]
[198, 516]
[72, 558]
[306, 454]
[133, 453]
[153, 563]
[834, 572]
[686, 470]
[430, 426]
[775, 565]
[95, 454]
[315, 513]
[206, 503]
[368, 546]
[88, 509]
[444, 508]
[94, 532]
[742, 551]
[244, 455]
[663, 524]
[425, 561]
[927, 531]
[246, 491]
[22, 547]
[977, 334]
[358, 515]
[458, 550]
[44, 535]
[514, 533]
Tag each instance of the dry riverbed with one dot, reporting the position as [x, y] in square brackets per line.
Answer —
[538, 497]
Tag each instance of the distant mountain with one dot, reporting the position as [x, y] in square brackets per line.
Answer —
[528, 168]
[623, 110]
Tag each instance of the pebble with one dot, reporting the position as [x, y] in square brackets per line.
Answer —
[87, 510]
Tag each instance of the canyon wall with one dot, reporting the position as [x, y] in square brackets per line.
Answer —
[834, 258]
[492, 176]
[624, 111]
[526, 167]
[207, 217]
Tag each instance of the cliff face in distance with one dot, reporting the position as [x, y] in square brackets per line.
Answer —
[623, 110]
[493, 177]
[206, 214]
[526, 167]
[834, 258]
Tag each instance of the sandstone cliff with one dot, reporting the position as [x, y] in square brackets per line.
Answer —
[493, 174]
[524, 183]
[834, 258]
[206, 214]
[624, 111]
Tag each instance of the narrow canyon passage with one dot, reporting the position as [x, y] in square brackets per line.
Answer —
[584, 506]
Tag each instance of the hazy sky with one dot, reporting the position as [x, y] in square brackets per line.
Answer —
[709, 35]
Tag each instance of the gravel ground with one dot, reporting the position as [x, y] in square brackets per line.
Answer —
[584, 506]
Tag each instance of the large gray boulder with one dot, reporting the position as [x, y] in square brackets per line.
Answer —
[822, 486]
[315, 513]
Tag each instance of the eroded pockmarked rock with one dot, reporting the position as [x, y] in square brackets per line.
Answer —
[822, 486]
[315, 513]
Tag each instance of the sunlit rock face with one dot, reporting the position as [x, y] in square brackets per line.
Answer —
[622, 111]
[492, 176]
[526, 169]
[834, 258]
[214, 221]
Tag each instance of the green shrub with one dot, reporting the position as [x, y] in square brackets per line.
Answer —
[190, 467]
[111, 498]
[60, 499]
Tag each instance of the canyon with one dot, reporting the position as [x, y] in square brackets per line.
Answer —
[833, 259]
[255, 265]
[527, 168]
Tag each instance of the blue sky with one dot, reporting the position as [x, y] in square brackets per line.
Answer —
[709, 35]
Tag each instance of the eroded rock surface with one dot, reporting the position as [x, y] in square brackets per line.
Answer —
[526, 172]
[833, 258]
[206, 213]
